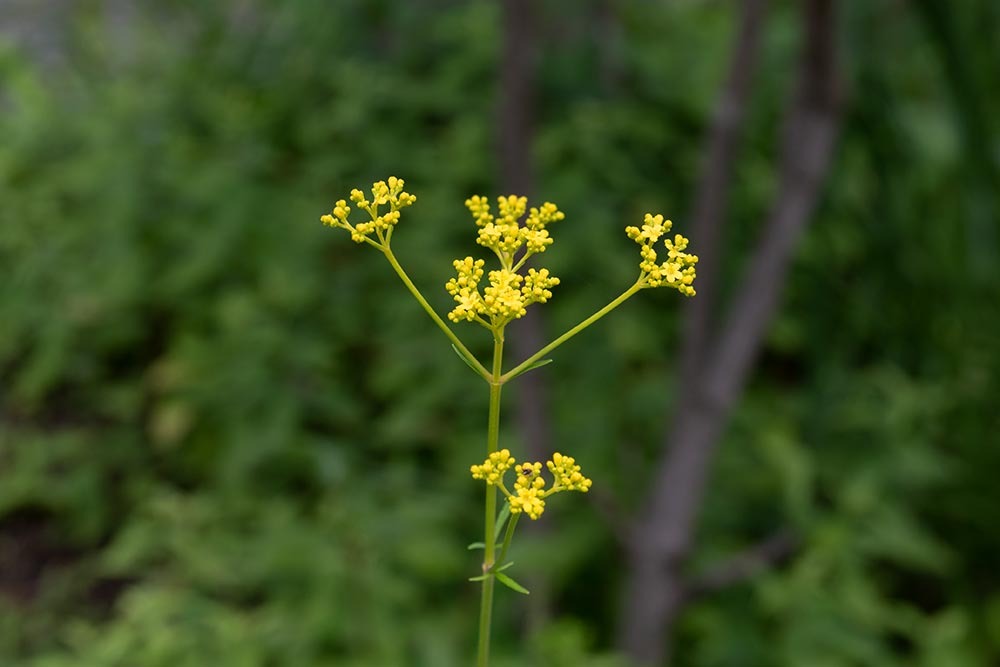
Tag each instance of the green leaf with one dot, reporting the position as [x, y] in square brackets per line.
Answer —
[479, 578]
[468, 362]
[537, 364]
[476, 545]
[501, 520]
[503, 567]
[510, 583]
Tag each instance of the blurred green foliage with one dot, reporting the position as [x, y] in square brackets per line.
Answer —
[229, 437]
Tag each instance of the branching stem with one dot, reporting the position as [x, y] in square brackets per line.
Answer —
[508, 536]
[622, 298]
[434, 316]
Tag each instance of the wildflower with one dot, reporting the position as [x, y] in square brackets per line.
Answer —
[494, 467]
[567, 474]
[528, 500]
[679, 269]
[480, 208]
[389, 192]
[529, 491]
[508, 292]
[536, 286]
[465, 288]
[502, 300]
[494, 298]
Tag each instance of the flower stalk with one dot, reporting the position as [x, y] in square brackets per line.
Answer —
[492, 441]
[514, 234]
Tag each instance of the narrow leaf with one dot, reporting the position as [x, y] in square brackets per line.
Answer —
[476, 545]
[503, 567]
[537, 364]
[501, 520]
[468, 362]
[511, 584]
[479, 578]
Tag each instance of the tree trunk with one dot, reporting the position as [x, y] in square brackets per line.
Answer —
[717, 367]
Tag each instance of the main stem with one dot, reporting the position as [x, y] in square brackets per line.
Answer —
[492, 438]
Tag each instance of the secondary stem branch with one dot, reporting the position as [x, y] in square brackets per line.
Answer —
[508, 536]
[622, 298]
[434, 316]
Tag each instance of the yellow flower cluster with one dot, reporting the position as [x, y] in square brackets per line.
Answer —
[494, 467]
[383, 192]
[529, 492]
[567, 473]
[509, 292]
[678, 271]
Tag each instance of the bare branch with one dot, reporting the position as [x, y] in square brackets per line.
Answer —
[768, 553]
[717, 374]
[710, 202]
[516, 99]
[612, 513]
[514, 139]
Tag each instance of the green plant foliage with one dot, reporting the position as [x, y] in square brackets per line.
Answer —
[211, 452]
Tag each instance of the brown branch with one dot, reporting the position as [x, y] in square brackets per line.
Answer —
[655, 591]
[615, 518]
[516, 103]
[610, 43]
[514, 140]
[637, 636]
[766, 554]
[716, 174]
[516, 97]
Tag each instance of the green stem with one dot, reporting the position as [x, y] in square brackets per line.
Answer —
[622, 298]
[492, 439]
[434, 316]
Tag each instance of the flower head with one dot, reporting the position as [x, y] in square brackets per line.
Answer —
[465, 288]
[389, 192]
[494, 467]
[529, 491]
[508, 291]
[679, 269]
[567, 474]
[529, 494]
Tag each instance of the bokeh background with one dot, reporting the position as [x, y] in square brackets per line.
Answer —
[229, 437]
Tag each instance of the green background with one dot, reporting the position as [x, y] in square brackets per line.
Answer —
[229, 437]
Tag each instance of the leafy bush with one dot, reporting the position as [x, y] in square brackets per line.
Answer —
[207, 452]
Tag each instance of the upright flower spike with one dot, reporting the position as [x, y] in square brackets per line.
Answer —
[383, 192]
[508, 292]
[678, 271]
